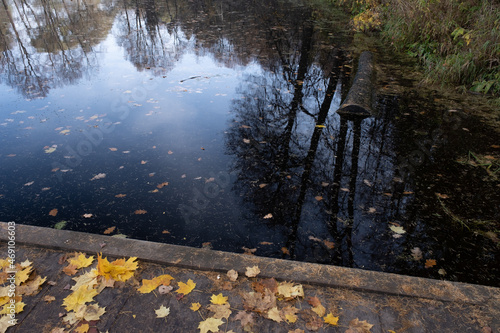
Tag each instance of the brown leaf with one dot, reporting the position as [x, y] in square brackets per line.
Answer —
[442, 196]
[360, 326]
[258, 302]
[70, 270]
[285, 250]
[113, 149]
[49, 298]
[318, 198]
[120, 195]
[246, 318]
[53, 212]
[162, 185]
[313, 322]
[144, 162]
[221, 310]
[109, 230]
[314, 301]
[249, 251]
[140, 211]
[330, 245]
[430, 263]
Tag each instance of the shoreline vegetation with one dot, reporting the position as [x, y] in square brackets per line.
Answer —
[457, 42]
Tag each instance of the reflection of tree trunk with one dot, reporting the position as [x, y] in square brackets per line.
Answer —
[308, 164]
[352, 189]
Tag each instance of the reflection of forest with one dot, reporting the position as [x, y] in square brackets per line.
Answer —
[50, 43]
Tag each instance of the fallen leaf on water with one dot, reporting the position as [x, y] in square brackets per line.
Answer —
[262, 185]
[407, 192]
[162, 185]
[50, 150]
[345, 189]
[144, 162]
[330, 245]
[60, 225]
[318, 198]
[372, 210]
[245, 126]
[246, 140]
[397, 229]
[268, 216]
[109, 230]
[252, 271]
[120, 195]
[320, 126]
[430, 263]
[285, 250]
[324, 184]
[185, 288]
[140, 212]
[170, 152]
[113, 149]
[98, 176]
[165, 232]
[442, 196]
[495, 146]
[416, 253]
[441, 271]
[162, 312]
[266, 243]
[249, 251]
[87, 216]
[29, 183]
[53, 212]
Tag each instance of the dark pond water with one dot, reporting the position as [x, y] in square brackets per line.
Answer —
[213, 123]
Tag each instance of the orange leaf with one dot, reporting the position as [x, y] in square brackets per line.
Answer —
[429, 263]
[140, 212]
[53, 212]
[109, 230]
[120, 195]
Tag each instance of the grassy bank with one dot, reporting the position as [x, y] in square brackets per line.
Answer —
[456, 41]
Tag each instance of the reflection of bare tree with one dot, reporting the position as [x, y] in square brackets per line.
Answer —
[52, 42]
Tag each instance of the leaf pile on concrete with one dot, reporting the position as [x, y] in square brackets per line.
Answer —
[270, 299]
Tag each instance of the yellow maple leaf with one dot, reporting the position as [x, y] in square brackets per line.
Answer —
[88, 279]
[84, 328]
[79, 297]
[331, 319]
[81, 261]
[18, 308]
[291, 318]
[219, 299]
[195, 306]
[210, 324]
[319, 310]
[186, 288]
[150, 285]
[23, 275]
[119, 270]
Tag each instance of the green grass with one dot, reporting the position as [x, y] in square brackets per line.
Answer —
[456, 41]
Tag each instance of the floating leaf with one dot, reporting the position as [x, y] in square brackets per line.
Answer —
[120, 195]
[397, 229]
[318, 198]
[60, 225]
[140, 212]
[268, 216]
[162, 185]
[442, 196]
[50, 150]
[109, 230]
[416, 253]
[430, 263]
[53, 212]
[330, 245]
[98, 176]
[88, 215]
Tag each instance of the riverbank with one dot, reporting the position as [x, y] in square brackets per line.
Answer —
[457, 43]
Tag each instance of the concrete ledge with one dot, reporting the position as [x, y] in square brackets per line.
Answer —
[204, 259]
